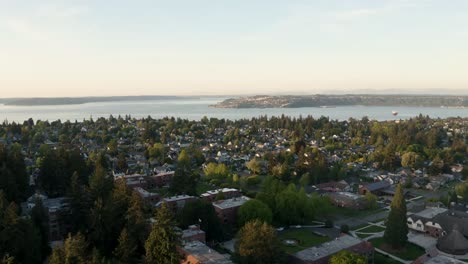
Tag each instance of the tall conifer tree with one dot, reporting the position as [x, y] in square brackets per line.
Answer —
[396, 234]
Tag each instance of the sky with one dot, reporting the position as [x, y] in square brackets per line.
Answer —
[54, 48]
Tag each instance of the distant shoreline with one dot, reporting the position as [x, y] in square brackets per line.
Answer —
[44, 101]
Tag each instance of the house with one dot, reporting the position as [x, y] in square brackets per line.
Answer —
[321, 254]
[348, 200]
[177, 203]
[193, 233]
[376, 188]
[423, 221]
[227, 193]
[148, 197]
[449, 219]
[333, 186]
[227, 209]
[161, 179]
[56, 209]
[195, 252]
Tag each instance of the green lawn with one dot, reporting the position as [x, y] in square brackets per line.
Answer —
[305, 238]
[363, 236]
[409, 252]
[340, 212]
[372, 229]
[382, 259]
[359, 226]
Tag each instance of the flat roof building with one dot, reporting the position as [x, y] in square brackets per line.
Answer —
[195, 252]
[322, 253]
[227, 209]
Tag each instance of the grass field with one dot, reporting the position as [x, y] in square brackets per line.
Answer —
[372, 229]
[409, 252]
[304, 237]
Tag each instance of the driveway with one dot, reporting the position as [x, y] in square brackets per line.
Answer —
[425, 241]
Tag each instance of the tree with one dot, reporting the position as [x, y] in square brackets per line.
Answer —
[203, 213]
[254, 165]
[257, 242]
[74, 251]
[254, 209]
[371, 200]
[184, 180]
[40, 221]
[100, 234]
[126, 249]
[18, 236]
[13, 176]
[411, 160]
[7, 259]
[216, 171]
[396, 233]
[347, 257]
[136, 223]
[161, 245]
[464, 172]
[270, 190]
[157, 152]
[462, 190]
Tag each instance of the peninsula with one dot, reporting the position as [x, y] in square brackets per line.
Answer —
[292, 101]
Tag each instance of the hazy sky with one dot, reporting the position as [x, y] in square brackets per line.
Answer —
[123, 47]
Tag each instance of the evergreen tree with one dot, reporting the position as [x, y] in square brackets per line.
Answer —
[396, 233]
[185, 179]
[100, 234]
[136, 223]
[18, 237]
[202, 212]
[80, 204]
[13, 176]
[40, 221]
[125, 252]
[74, 251]
[161, 245]
[7, 259]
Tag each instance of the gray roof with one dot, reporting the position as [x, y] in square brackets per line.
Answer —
[377, 185]
[453, 243]
[327, 249]
[449, 219]
[204, 254]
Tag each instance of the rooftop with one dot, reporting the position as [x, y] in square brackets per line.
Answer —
[431, 212]
[204, 254]
[327, 249]
[178, 198]
[212, 192]
[144, 193]
[377, 185]
[348, 195]
[229, 203]
[191, 231]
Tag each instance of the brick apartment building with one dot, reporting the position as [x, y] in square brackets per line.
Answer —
[227, 209]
